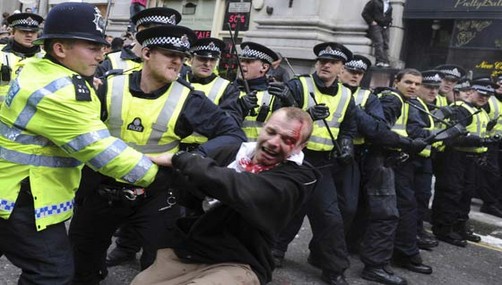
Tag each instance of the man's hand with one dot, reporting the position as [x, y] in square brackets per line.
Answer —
[346, 156]
[282, 92]
[163, 159]
[96, 82]
[248, 101]
[318, 112]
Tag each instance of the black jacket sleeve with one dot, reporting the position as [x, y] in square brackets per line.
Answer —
[267, 200]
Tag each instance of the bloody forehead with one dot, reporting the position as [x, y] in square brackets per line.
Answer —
[297, 132]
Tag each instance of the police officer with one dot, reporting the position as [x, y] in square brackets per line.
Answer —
[253, 108]
[422, 182]
[463, 156]
[205, 55]
[398, 114]
[489, 190]
[25, 28]
[332, 107]
[152, 112]
[373, 235]
[49, 126]
[452, 74]
[129, 57]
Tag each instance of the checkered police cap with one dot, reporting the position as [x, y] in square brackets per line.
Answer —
[331, 50]
[358, 62]
[483, 87]
[251, 50]
[463, 84]
[27, 21]
[432, 77]
[158, 16]
[451, 71]
[176, 38]
[208, 47]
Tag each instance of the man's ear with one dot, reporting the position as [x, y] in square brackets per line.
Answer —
[145, 52]
[59, 49]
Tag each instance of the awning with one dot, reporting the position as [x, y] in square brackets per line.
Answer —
[453, 9]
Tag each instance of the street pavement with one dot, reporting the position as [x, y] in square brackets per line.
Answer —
[477, 264]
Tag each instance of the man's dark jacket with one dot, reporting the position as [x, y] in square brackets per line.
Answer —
[255, 207]
[373, 11]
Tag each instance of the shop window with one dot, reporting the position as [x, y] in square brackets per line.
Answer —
[189, 9]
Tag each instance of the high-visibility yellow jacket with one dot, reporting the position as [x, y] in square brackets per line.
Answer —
[476, 127]
[15, 63]
[146, 125]
[361, 96]
[49, 125]
[250, 125]
[213, 90]
[496, 114]
[338, 104]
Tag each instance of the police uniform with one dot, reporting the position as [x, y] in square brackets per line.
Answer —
[216, 88]
[13, 54]
[327, 247]
[152, 123]
[399, 115]
[252, 118]
[371, 233]
[49, 125]
[126, 59]
[492, 200]
[463, 156]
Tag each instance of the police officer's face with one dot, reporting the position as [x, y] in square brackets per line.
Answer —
[478, 100]
[351, 77]
[447, 85]
[499, 90]
[80, 56]
[163, 65]
[279, 138]
[203, 67]
[328, 69]
[25, 38]
[408, 85]
[253, 68]
[428, 93]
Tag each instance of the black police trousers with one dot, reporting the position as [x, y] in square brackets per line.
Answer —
[405, 242]
[44, 257]
[422, 185]
[379, 208]
[454, 188]
[489, 188]
[96, 218]
[327, 246]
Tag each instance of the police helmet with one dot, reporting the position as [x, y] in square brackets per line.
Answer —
[72, 20]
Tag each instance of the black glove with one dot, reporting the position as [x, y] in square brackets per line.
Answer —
[453, 132]
[318, 112]
[282, 92]
[412, 145]
[346, 156]
[248, 102]
[491, 124]
[443, 112]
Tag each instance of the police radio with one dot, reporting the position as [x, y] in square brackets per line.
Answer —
[262, 113]
[5, 74]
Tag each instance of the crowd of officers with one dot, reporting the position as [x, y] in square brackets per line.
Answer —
[377, 150]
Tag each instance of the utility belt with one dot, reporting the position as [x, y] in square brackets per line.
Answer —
[122, 193]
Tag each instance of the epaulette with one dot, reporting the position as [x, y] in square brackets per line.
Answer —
[82, 91]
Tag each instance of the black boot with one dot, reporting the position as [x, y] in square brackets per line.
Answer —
[426, 240]
[382, 274]
[466, 232]
[446, 234]
[333, 278]
[412, 263]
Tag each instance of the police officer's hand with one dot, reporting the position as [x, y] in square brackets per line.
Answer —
[491, 140]
[443, 112]
[452, 132]
[248, 101]
[282, 92]
[346, 156]
[318, 112]
[412, 145]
